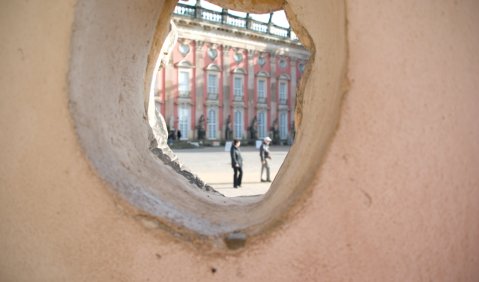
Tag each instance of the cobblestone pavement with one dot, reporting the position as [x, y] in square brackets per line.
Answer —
[213, 165]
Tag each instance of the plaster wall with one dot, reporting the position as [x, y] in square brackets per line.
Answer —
[396, 197]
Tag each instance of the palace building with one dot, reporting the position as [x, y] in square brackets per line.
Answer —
[229, 75]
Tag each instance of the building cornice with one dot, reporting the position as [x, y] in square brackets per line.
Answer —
[238, 38]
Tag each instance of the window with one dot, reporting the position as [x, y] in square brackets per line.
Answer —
[238, 124]
[212, 124]
[212, 86]
[282, 92]
[262, 124]
[184, 121]
[184, 83]
[283, 125]
[261, 91]
[238, 88]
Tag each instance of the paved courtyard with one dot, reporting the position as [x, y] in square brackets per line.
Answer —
[213, 165]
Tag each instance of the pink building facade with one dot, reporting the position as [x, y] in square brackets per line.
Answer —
[223, 83]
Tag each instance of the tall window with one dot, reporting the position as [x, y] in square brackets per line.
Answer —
[282, 92]
[212, 124]
[184, 83]
[238, 124]
[261, 90]
[261, 124]
[212, 86]
[184, 121]
[238, 88]
[283, 125]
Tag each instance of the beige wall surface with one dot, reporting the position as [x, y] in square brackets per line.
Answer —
[395, 199]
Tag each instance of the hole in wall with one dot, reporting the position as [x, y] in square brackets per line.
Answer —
[222, 75]
[114, 48]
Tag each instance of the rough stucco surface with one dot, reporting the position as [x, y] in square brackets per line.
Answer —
[106, 77]
[396, 199]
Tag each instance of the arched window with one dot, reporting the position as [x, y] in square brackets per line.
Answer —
[238, 124]
[212, 128]
[283, 125]
[262, 124]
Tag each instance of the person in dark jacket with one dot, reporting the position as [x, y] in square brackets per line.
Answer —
[236, 163]
[265, 155]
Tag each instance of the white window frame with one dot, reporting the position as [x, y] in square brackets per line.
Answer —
[238, 88]
[283, 125]
[212, 86]
[184, 87]
[261, 90]
[212, 123]
[238, 124]
[184, 122]
[262, 124]
[282, 92]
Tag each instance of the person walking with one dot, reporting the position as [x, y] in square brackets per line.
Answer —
[236, 163]
[265, 156]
